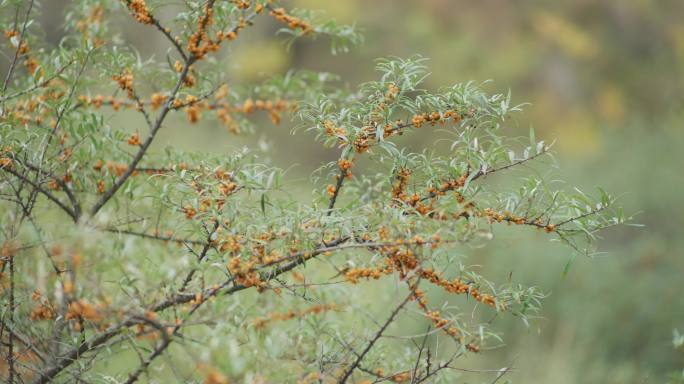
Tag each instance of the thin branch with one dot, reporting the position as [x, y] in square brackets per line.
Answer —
[484, 172]
[42, 190]
[16, 52]
[167, 33]
[155, 237]
[375, 338]
[38, 85]
[10, 354]
[420, 354]
[201, 257]
[582, 216]
[336, 193]
[65, 187]
[133, 377]
[145, 146]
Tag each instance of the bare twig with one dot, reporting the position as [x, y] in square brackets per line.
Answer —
[43, 191]
[376, 337]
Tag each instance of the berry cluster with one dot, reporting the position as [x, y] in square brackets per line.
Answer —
[291, 21]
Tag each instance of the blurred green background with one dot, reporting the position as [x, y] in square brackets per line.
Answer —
[604, 79]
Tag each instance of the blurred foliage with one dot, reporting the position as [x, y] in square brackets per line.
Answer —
[605, 78]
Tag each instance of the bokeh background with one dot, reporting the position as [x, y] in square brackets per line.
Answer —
[603, 78]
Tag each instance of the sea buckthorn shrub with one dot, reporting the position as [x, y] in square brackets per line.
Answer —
[124, 262]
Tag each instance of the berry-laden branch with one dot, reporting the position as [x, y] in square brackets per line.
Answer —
[154, 129]
[143, 15]
[198, 50]
[220, 255]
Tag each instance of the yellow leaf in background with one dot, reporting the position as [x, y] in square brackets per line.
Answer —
[258, 58]
[577, 134]
[676, 35]
[568, 36]
[611, 104]
[343, 11]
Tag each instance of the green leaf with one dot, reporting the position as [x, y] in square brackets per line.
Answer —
[533, 139]
[263, 204]
[567, 266]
